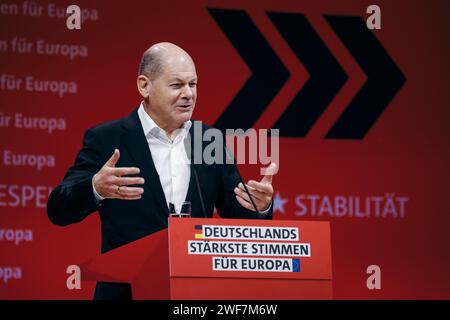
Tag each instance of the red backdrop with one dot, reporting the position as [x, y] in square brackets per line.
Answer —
[400, 164]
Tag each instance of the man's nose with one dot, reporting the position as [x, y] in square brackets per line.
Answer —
[187, 93]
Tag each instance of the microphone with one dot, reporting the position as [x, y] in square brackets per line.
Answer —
[200, 194]
[188, 149]
[240, 177]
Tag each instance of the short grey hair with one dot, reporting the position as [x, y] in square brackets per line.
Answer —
[151, 64]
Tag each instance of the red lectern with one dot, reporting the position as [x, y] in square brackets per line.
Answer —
[223, 259]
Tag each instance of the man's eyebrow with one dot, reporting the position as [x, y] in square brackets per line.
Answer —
[182, 80]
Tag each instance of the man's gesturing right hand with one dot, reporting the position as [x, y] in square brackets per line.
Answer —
[110, 182]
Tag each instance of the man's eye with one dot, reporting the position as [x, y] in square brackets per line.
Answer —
[175, 85]
[193, 84]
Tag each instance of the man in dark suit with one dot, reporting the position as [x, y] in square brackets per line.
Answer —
[132, 188]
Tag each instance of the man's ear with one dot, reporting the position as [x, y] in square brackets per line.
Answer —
[144, 85]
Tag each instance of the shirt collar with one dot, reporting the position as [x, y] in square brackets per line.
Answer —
[150, 126]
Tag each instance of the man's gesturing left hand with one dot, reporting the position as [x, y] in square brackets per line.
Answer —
[261, 192]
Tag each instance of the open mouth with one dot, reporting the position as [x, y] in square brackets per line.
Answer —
[184, 106]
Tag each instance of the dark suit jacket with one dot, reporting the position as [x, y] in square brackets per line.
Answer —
[124, 221]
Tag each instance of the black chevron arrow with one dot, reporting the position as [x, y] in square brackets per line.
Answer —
[326, 75]
[268, 73]
[384, 78]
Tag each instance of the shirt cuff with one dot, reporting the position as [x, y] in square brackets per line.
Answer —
[98, 198]
[268, 209]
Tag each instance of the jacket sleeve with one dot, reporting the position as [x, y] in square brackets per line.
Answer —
[73, 199]
[227, 205]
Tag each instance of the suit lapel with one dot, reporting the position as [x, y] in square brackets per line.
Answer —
[136, 143]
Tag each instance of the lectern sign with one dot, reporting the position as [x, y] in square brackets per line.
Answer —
[250, 248]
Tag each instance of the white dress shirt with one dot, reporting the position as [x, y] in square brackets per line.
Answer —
[170, 158]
